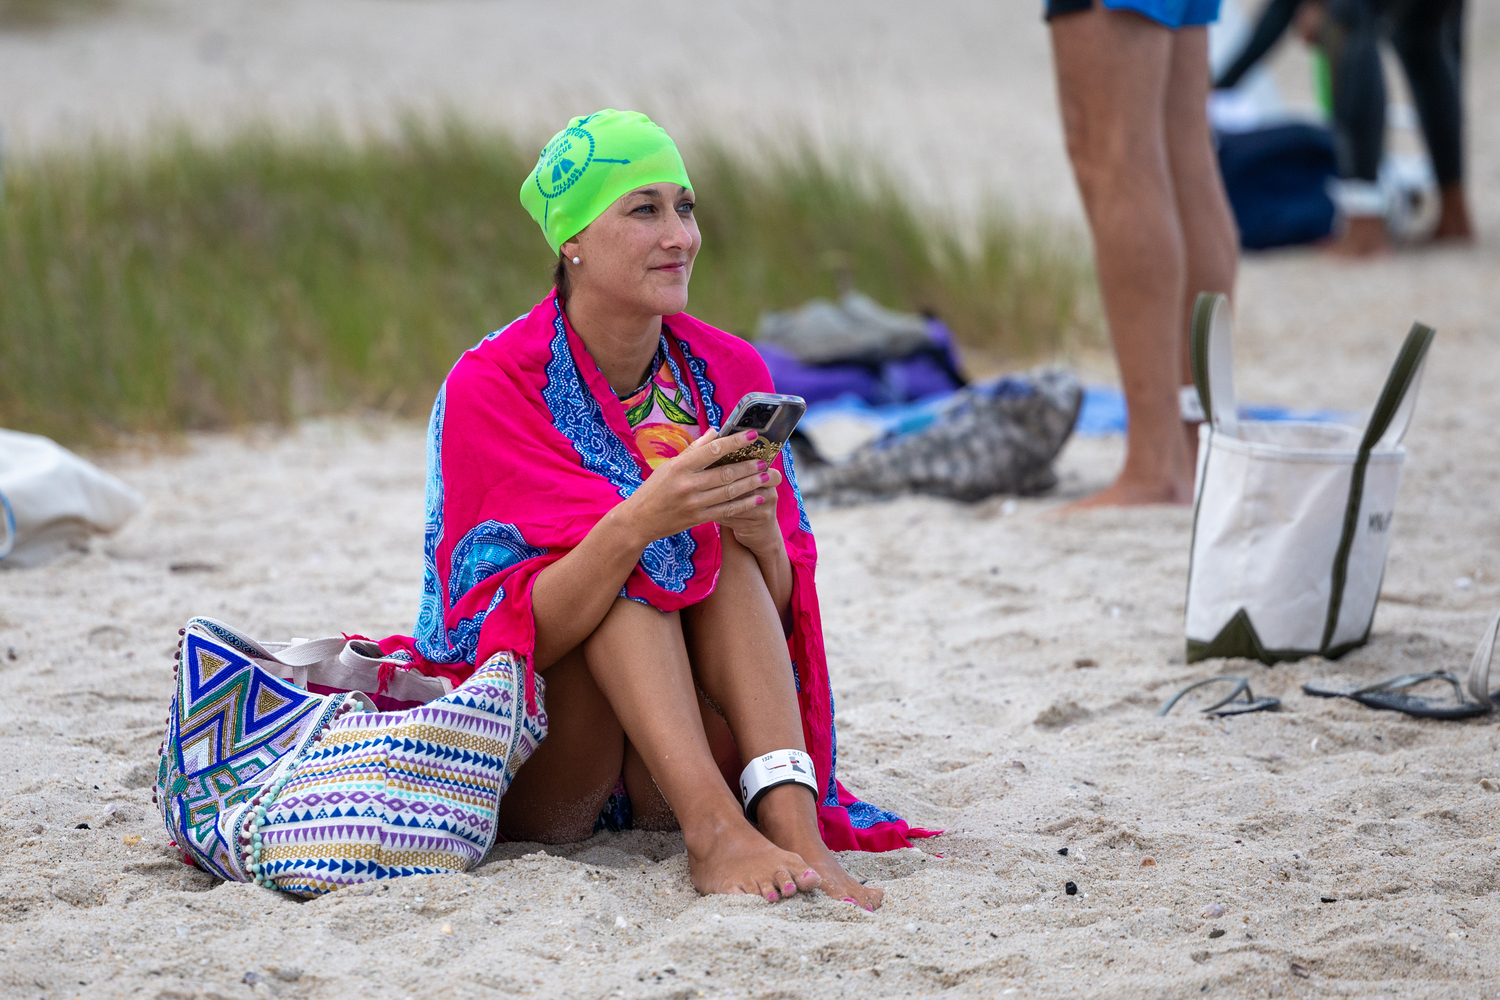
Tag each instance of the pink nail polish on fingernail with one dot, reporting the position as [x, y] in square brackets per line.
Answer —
[759, 501]
[751, 435]
[761, 466]
[765, 477]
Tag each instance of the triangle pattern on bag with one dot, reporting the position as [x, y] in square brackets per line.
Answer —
[1237, 639]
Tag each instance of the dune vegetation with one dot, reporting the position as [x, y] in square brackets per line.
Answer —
[195, 284]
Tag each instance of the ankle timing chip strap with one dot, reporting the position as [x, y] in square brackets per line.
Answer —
[772, 770]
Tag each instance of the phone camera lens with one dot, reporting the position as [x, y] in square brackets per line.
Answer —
[758, 416]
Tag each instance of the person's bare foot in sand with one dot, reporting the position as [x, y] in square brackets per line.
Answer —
[1364, 236]
[788, 816]
[730, 858]
[1133, 492]
[1453, 225]
[1159, 469]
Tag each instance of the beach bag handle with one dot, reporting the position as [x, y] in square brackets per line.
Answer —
[1398, 399]
[340, 662]
[1387, 426]
[1211, 354]
[1210, 350]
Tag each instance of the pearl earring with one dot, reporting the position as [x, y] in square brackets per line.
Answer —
[575, 260]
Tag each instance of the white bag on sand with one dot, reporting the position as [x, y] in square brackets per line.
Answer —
[1292, 520]
[50, 499]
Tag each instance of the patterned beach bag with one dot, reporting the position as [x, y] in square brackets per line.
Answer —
[262, 781]
[1292, 520]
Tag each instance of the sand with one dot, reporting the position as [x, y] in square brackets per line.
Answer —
[997, 668]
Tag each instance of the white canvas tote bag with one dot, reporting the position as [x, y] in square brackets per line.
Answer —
[1292, 520]
[50, 499]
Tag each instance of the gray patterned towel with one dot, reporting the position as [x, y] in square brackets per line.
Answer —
[998, 436]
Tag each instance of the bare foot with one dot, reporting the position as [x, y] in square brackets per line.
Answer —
[788, 815]
[1134, 493]
[1363, 236]
[735, 859]
[1453, 224]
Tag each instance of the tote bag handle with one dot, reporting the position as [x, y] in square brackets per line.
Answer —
[1212, 355]
[1388, 423]
[1398, 399]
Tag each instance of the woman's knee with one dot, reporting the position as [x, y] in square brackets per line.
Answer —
[1114, 154]
[630, 624]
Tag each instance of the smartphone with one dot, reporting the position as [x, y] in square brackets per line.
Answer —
[772, 415]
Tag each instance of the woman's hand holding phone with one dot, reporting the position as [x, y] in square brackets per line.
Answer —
[683, 492]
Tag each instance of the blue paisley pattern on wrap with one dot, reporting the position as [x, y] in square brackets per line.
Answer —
[432, 637]
[463, 638]
[431, 634]
[687, 397]
[579, 418]
[791, 478]
[485, 551]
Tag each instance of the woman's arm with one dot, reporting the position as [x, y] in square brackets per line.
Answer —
[571, 597]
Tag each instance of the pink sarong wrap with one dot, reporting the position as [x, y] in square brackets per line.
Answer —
[527, 449]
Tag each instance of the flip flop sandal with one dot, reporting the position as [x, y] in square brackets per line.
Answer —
[1387, 694]
[1227, 705]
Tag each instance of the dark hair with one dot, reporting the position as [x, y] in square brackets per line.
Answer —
[560, 277]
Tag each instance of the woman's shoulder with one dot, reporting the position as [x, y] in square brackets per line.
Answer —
[522, 343]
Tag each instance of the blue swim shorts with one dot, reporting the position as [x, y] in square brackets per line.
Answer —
[1173, 14]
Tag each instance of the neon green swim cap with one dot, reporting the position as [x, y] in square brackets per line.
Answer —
[590, 164]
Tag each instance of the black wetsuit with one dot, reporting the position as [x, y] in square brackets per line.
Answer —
[1427, 36]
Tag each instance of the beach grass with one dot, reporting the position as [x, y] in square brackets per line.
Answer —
[265, 277]
[26, 14]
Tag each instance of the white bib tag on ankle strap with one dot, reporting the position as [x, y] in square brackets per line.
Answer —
[772, 770]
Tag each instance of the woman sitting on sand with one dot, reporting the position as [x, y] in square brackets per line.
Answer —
[573, 519]
[573, 526]
[575, 531]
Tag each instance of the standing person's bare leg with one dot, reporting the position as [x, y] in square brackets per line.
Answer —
[740, 658]
[1209, 235]
[1112, 70]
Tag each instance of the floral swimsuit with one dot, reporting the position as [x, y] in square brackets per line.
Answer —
[661, 414]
